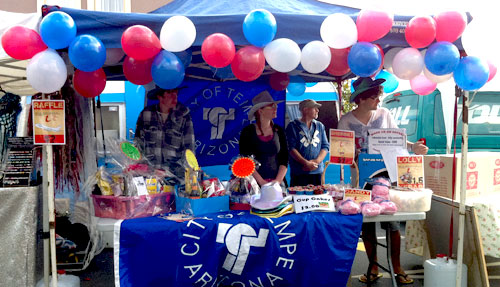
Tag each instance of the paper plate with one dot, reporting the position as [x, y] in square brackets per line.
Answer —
[243, 167]
[191, 160]
[130, 151]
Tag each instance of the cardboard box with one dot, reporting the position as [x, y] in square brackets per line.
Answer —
[494, 171]
[438, 174]
[202, 206]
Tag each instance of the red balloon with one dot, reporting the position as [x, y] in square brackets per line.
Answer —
[279, 81]
[450, 25]
[338, 64]
[218, 50]
[89, 84]
[136, 71]
[373, 25]
[493, 70]
[140, 42]
[22, 43]
[248, 63]
[421, 31]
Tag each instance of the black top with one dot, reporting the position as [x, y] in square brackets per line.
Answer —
[269, 154]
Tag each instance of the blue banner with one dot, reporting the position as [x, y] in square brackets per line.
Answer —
[220, 111]
[239, 249]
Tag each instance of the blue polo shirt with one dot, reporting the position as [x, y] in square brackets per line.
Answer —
[308, 142]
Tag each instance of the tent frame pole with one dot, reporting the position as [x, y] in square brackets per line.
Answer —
[463, 182]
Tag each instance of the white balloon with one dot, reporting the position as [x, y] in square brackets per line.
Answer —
[476, 40]
[408, 63]
[177, 34]
[435, 78]
[282, 54]
[113, 56]
[339, 31]
[315, 57]
[46, 71]
[389, 57]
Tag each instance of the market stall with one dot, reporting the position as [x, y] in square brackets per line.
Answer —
[215, 46]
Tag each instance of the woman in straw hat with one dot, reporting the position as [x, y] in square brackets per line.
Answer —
[265, 140]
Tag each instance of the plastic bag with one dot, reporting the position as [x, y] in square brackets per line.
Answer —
[369, 209]
[241, 189]
[348, 207]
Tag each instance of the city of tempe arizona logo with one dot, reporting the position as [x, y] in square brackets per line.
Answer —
[239, 239]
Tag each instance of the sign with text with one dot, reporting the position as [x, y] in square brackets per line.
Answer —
[48, 122]
[321, 202]
[411, 171]
[342, 146]
[19, 163]
[385, 138]
[358, 195]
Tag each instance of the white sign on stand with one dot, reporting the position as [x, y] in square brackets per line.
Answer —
[385, 138]
[320, 202]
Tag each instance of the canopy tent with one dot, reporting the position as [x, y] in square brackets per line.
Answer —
[297, 20]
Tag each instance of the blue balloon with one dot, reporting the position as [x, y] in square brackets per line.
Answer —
[364, 59]
[259, 27]
[57, 30]
[87, 53]
[442, 58]
[185, 56]
[391, 82]
[167, 70]
[312, 84]
[297, 86]
[471, 73]
[223, 73]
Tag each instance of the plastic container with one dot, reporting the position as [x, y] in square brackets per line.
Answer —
[124, 207]
[63, 280]
[442, 272]
[411, 201]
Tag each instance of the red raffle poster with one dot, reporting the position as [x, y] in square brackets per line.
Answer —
[411, 171]
[341, 146]
[358, 195]
[48, 122]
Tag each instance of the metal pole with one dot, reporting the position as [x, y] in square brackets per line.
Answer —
[45, 208]
[463, 182]
[339, 93]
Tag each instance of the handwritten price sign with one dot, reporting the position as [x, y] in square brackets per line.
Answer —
[358, 195]
[304, 203]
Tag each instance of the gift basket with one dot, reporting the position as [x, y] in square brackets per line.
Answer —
[199, 196]
[242, 184]
[129, 187]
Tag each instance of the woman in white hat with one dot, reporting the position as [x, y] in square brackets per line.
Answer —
[265, 140]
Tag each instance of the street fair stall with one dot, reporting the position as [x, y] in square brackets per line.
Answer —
[198, 41]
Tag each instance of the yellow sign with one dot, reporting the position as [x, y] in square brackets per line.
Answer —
[48, 122]
[191, 160]
[341, 146]
[358, 195]
[411, 171]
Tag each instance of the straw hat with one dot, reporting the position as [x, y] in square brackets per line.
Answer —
[308, 104]
[364, 84]
[261, 100]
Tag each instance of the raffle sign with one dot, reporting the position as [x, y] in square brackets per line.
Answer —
[358, 195]
[411, 171]
[341, 146]
[48, 122]
[385, 138]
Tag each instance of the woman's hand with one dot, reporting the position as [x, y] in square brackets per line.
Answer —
[419, 148]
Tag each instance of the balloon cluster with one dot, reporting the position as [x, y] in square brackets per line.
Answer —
[340, 51]
[162, 60]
